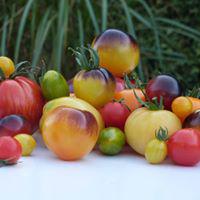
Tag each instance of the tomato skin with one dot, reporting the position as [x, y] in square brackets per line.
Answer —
[184, 147]
[120, 85]
[195, 103]
[10, 150]
[95, 86]
[129, 98]
[156, 151]
[7, 65]
[193, 120]
[141, 125]
[118, 52]
[21, 96]
[165, 86]
[115, 114]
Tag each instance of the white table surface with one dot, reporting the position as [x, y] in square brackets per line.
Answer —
[127, 176]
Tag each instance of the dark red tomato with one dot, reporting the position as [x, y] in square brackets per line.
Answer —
[115, 114]
[193, 120]
[10, 150]
[12, 125]
[120, 85]
[165, 86]
[21, 96]
[184, 147]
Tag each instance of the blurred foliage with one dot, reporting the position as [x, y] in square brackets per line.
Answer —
[168, 32]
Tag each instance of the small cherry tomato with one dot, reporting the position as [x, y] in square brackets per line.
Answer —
[27, 142]
[7, 66]
[184, 147]
[182, 107]
[115, 114]
[156, 149]
[193, 120]
[10, 150]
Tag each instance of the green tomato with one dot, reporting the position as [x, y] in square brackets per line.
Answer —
[54, 85]
[111, 141]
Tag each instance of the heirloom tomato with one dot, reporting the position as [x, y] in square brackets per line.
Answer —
[141, 125]
[195, 103]
[70, 133]
[21, 96]
[193, 120]
[118, 52]
[7, 66]
[93, 84]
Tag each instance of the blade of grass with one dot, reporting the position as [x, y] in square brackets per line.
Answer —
[21, 29]
[11, 23]
[80, 28]
[104, 13]
[33, 22]
[4, 37]
[92, 16]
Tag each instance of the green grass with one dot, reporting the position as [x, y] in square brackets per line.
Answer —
[41, 32]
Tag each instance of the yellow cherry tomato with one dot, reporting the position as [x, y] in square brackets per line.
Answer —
[27, 142]
[7, 65]
[182, 107]
[156, 151]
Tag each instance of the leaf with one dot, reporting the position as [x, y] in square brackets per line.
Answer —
[80, 28]
[104, 13]
[4, 37]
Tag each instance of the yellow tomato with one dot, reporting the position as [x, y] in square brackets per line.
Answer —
[72, 102]
[27, 142]
[118, 52]
[7, 65]
[156, 151]
[141, 125]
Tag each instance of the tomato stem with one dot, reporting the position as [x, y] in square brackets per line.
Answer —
[162, 134]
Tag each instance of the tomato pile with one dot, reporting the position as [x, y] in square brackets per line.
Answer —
[104, 105]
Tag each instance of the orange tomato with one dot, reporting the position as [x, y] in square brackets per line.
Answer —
[7, 66]
[195, 103]
[129, 98]
[182, 107]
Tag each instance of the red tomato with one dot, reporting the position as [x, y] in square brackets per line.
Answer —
[10, 150]
[184, 147]
[21, 96]
[115, 114]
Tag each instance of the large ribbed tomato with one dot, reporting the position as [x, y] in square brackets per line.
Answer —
[21, 96]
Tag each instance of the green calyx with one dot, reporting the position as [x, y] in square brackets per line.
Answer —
[194, 92]
[162, 134]
[86, 58]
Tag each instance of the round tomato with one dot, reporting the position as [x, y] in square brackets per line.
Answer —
[120, 85]
[7, 65]
[118, 52]
[195, 103]
[184, 147]
[193, 120]
[21, 96]
[142, 124]
[70, 133]
[115, 114]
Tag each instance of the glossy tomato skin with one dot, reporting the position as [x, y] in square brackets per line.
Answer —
[120, 85]
[165, 86]
[95, 86]
[184, 147]
[115, 114]
[21, 96]
[12, 125]
[193, 120]
[10, 150]
[141, 125]
[118, 52]
[70, 133]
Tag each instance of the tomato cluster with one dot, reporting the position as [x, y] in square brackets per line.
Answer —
[104, 104]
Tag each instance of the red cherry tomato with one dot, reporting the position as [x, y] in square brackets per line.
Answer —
[184, 147]
[21, 96]
[10, 150]
[115, 114]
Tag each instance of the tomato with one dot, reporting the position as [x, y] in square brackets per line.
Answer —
[129, 97]
[54, 85]
[10, 150]
[21, 96]
[7, 65]
[184, 147]
[72, 102]
[120, 85]
[141, 125]
[118, 52]
[115, 114]
[11, 125]
[70, 133]
[156, 149]
[70, 83]
[165, 86]
[27, 142]
[195, 103]
[193, 120]
[182, 107]
[111, 141]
